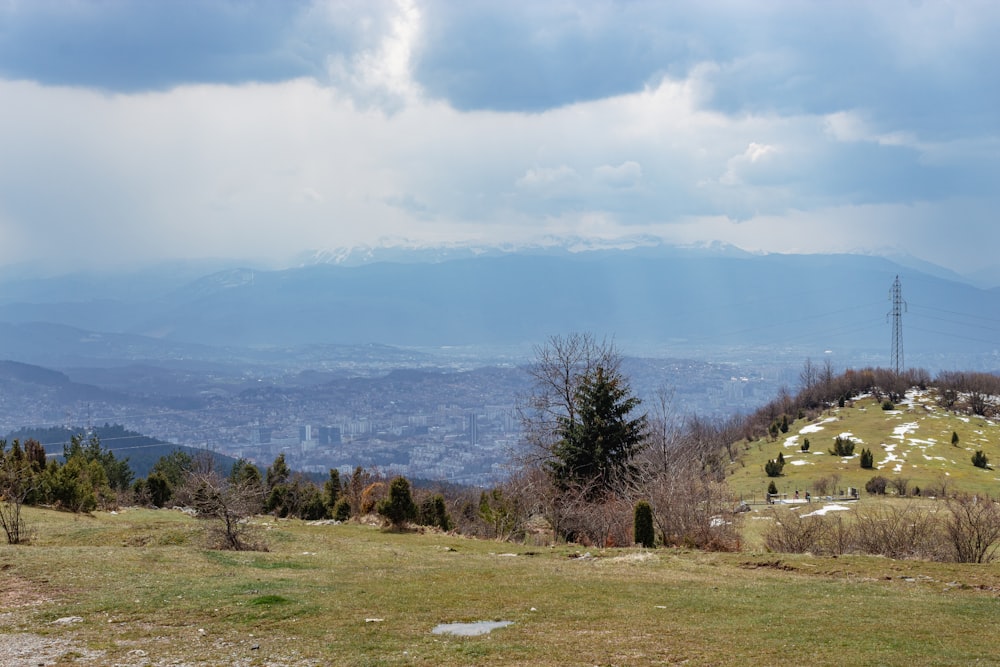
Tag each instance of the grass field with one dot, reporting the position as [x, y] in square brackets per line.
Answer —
[912, 441]
[137, 588]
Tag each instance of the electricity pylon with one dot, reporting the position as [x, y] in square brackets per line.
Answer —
[898, 308]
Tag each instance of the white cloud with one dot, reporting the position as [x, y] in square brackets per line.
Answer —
[384, 73]
[546, 177]
[625, 175]
[739, 164]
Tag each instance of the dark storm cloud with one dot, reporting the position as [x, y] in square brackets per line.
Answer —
[138, 45]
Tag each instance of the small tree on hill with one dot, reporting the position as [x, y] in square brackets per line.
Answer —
[772, 488]
[843, 446]
[805, 445]
[433, 512]
[645, 535]
[342, 510]
[158, 489]
[980, 460]
[398, 507]
[502, 513]
[773, 468]
[954, 438]
[877, 485]
[867, 459]
[332, 489]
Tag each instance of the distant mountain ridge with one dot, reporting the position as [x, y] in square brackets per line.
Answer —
[679, 300]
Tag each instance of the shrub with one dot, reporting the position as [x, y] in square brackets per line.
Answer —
[876, 485]
[973, 528]
[434, 513]
[398, 507]
[342, 510]
[842, 447]
[954, 438]
[790, 533]
[907, 531]
[805, 445]
[643, 525]
[888, 405]
[901, 484]
[694, 511]
[980, 460]
[772, 489]
[773, 468]
[867, 460]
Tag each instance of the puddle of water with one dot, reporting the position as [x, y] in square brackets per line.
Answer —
[469, 629]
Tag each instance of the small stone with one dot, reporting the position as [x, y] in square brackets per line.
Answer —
[67, 620]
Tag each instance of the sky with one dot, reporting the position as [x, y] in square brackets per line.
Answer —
[136, 131]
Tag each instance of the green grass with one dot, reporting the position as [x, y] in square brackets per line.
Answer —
[355, 595]
[926, 455]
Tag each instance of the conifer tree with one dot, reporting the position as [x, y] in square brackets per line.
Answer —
[643, 525]
[596, 448]
[398, 507]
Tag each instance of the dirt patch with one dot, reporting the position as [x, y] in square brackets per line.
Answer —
[17, 592]
[768, 564]
[27, 650]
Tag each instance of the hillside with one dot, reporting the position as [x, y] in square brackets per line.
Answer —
[911, 442]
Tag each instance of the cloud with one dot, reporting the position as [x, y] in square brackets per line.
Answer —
[284, 126]
[149, 45]
[626, 175]
[383, 74]
[738, 165]
[539, 178]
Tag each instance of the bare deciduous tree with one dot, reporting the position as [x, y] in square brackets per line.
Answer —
[17, 482]
[557, 372]
[230, 502]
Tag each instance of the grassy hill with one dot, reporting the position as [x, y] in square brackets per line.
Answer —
[137, 588]
[912, 441]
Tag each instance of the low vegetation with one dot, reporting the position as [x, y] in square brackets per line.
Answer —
[266, 566]
[353, 594]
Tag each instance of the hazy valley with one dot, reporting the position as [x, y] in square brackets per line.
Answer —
[417, 367]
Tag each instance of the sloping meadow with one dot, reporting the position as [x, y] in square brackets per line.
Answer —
[140, 588]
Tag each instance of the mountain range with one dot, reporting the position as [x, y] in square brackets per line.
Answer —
[652, 300]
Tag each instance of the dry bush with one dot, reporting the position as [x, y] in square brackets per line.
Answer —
[230, 504]
[604, 523]
[790, 533]
[898, 532]
[972, 527]
[692, 510]
[886, 530]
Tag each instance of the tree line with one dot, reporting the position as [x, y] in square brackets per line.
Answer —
[593, 467]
